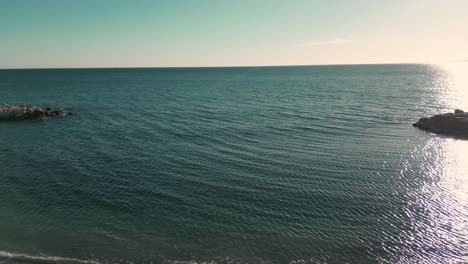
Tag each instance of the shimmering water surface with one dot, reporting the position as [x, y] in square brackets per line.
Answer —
[234, 165]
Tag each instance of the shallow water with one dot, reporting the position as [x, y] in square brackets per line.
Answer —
[312, 164]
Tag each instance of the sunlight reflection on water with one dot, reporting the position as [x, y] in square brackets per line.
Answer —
[438, 207]
[455, 92]
[437, 173]
[446, 196]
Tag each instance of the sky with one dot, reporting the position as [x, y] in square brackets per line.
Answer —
[199, 33]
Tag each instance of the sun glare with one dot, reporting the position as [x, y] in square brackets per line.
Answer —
[457, 94]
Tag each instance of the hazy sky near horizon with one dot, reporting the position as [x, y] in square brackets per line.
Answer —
[150, 33]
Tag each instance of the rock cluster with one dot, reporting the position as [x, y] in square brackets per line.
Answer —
[23, 112]
[455, 124]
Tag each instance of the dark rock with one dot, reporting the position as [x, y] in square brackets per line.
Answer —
[22, 112]
[450, 123]
[38, 114]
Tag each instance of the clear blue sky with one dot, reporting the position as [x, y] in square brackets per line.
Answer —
[145, 33]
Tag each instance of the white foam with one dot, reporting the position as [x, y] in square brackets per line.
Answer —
[47, 259]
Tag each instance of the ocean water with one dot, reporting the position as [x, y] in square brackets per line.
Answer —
[314, 164]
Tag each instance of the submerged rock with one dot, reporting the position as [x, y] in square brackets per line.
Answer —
[455, 124]
[23, 112]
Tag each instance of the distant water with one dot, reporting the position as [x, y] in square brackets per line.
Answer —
[234, 165]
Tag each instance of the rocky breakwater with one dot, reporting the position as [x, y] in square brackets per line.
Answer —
[23, 112]
[455, 124]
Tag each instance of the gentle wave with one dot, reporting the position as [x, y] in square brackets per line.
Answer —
[42, 259]
[278, 167]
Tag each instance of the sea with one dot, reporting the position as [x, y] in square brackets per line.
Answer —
[234, 165]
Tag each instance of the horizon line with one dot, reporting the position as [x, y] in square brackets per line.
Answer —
[219, 66]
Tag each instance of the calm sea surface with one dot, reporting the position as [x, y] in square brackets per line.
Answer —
[234, 165]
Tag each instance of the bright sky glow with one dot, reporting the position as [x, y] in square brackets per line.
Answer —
[150, 33]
